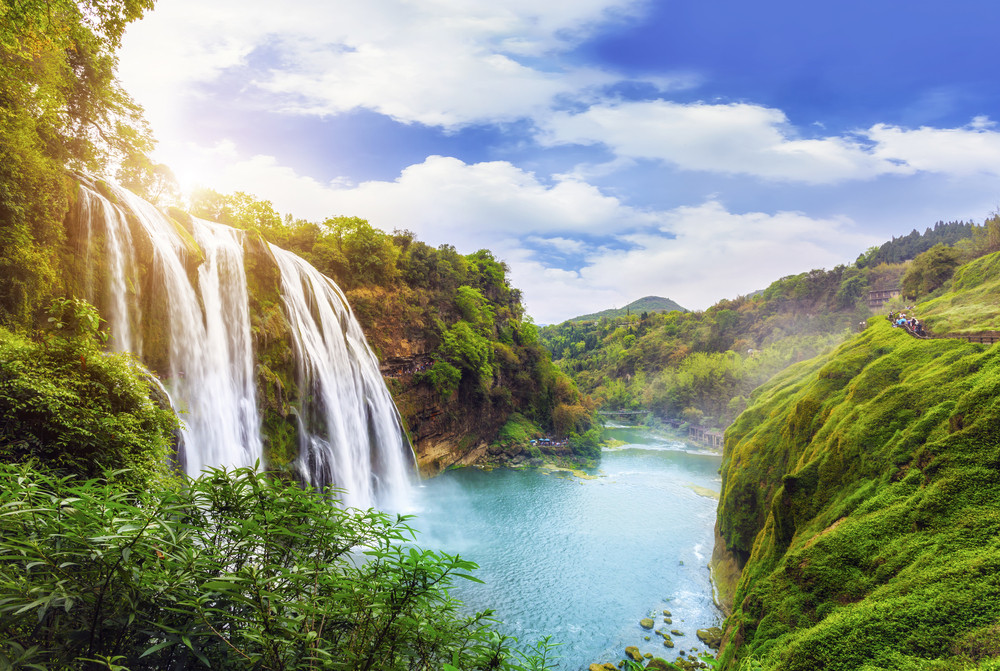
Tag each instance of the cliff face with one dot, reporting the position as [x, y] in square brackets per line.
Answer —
[443, 431]
[860, 499]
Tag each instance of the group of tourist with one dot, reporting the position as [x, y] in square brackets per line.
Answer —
[911, 324]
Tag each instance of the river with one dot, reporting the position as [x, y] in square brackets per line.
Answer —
[583, 559]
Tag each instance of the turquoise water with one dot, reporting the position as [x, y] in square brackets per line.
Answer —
[583, 560]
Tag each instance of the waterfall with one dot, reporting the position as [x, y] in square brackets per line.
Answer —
[350, 434]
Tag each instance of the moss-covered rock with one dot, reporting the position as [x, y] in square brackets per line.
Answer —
[647, 623]
[712, 637]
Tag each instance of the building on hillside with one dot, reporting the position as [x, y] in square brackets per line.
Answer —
[705, 436]
[877, 299]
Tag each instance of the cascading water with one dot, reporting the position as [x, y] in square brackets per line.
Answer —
[350, 433]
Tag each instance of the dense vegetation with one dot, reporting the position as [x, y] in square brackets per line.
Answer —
[67, 403]
[908, 246]
[61, 108]
[700, 367]
[233, 570]
[464, 322]
[860, 498]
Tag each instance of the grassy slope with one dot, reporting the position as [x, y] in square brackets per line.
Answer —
[863, 487]
[971, 305]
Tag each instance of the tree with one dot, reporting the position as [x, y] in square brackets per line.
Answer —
[154, 182]
[370, 253]
[62, 108]
[930, 270]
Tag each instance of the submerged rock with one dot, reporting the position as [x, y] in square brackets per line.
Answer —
[711, 636]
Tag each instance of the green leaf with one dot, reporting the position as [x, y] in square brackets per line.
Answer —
[159, 646]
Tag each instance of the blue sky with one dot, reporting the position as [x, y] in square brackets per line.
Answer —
[605, 149]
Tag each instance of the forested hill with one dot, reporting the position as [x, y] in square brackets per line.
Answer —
[860, 502]
[647, 304]
[908, 246]
[700, 367]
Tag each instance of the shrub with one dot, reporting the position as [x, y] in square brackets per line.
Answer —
[234, 570]
[74, 407]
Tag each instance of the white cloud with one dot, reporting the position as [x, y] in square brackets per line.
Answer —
[759, 141]
[716, 254]
[720, 254]
[732, 139]
[442, 199]
[438, 63]
[955, 151]
[694, 255]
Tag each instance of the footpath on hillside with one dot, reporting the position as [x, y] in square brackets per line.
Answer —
[916, 329]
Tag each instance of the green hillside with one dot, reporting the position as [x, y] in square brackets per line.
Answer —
[971, 306]
[647, 304]
[860, 498]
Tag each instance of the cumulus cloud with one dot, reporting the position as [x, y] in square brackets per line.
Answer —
[955, 151]
[436, 62]
[442, 199]
[692, 254]
[759, 141]
[734, 139]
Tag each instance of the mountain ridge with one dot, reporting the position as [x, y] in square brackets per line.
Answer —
[644, 304]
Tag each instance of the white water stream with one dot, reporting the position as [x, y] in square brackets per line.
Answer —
[350, 432]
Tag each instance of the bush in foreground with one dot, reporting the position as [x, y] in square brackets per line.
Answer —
[233, 570]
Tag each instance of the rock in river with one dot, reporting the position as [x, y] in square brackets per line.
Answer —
[712, 637]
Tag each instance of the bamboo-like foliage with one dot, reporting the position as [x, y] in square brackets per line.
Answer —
[234, 570]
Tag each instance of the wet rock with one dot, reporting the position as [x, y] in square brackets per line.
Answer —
[633, 653]
[667, 620]
[659, 664]
[676, 632]
[711, 636]
[668, 642]
[668, 613]
[646, 623]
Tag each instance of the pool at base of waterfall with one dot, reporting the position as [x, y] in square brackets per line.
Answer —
[583, 560]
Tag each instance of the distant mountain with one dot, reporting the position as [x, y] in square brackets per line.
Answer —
[646, 304]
